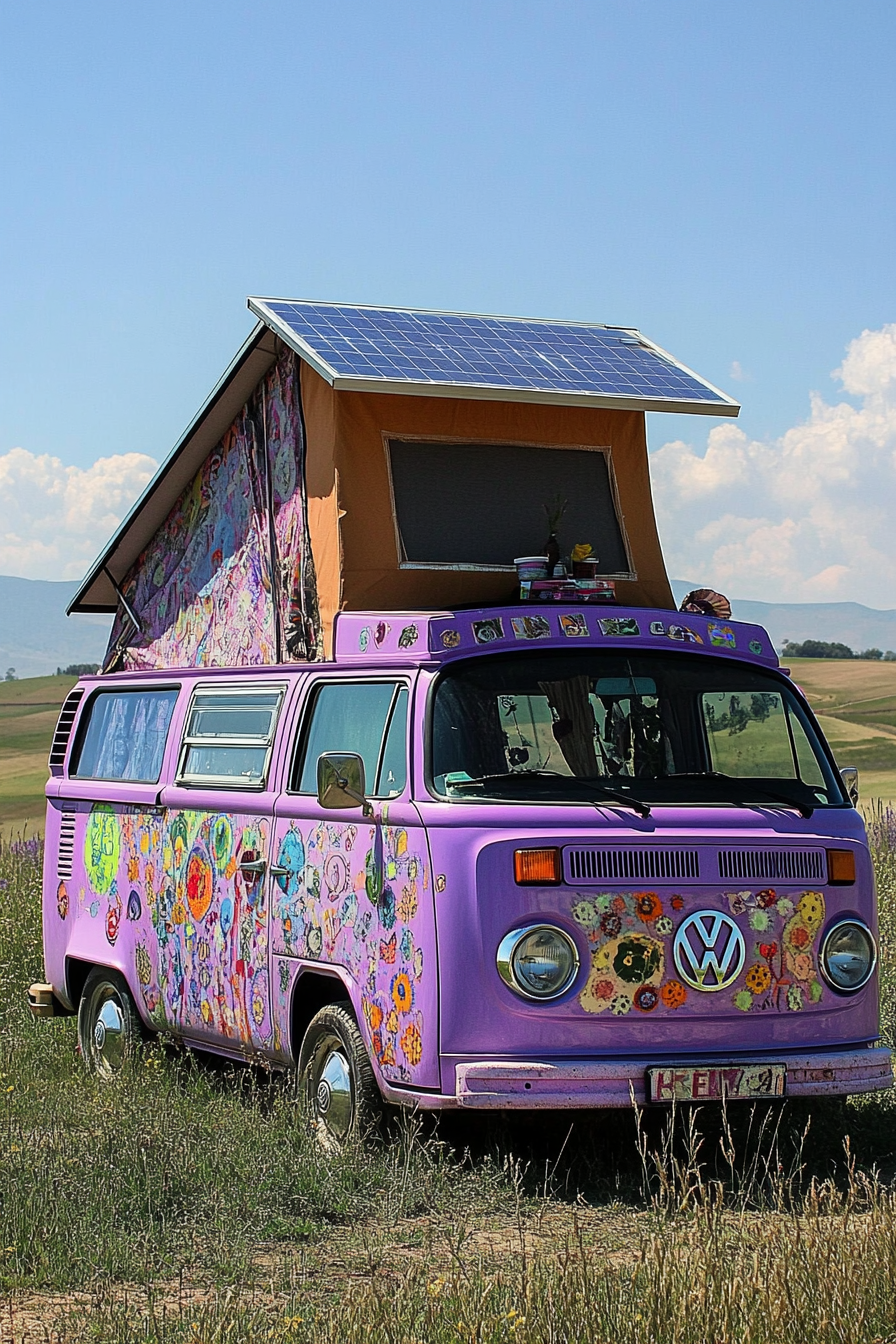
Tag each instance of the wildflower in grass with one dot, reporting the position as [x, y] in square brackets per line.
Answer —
[402, 992]
[648, 906]
[743, 1000]
[758, 978]
[673, 994]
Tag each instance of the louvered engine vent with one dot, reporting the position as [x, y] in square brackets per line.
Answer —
[773, 865]
[66, 846]
[64, 728]
[635, 864]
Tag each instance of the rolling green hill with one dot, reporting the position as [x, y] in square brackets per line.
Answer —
[28, 713]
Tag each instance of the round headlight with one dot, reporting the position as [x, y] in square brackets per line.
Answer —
[848, 956]
[539, 962]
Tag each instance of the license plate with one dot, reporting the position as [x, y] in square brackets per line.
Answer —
[735, 1082]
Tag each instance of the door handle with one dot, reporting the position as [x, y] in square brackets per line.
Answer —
[253, 866]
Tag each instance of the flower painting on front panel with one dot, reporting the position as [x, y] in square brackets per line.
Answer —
[688, 952]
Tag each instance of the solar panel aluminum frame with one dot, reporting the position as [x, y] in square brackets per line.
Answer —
[726, 406]
[629, 574]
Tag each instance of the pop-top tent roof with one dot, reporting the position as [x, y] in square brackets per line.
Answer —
[412, 352]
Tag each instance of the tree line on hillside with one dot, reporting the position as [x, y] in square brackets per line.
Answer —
[819, 648]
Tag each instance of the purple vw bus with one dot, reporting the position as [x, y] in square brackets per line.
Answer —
[528, 856]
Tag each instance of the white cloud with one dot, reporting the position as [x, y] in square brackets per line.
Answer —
[808, 517]
[54, 520]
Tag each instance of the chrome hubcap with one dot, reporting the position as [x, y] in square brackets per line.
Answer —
[333, 1098]
[109, 1035]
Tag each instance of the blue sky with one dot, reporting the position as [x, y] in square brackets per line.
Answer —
[721, 176]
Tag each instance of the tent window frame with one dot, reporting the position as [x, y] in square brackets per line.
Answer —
[389, 436]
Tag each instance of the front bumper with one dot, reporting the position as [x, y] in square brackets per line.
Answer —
[562, 1085]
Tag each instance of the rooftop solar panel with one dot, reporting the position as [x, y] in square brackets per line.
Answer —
[358, 348]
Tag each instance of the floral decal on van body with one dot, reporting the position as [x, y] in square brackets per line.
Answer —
[632, 966]
[327, 908]
[199, 930]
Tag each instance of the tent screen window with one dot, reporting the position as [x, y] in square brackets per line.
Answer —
[484, 504]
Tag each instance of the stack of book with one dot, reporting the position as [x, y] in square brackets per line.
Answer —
[568, 590]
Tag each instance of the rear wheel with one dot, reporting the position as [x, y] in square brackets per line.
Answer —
[109, 1026]
[339, 1091]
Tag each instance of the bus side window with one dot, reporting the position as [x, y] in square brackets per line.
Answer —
[367, 718]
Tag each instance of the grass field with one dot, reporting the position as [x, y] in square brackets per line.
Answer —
[855, 700]
[28, 713]
[183, 1203]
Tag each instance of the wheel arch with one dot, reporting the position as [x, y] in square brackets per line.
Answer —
[313, 990]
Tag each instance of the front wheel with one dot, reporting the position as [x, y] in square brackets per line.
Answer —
[339, 1090]
[109, 1026]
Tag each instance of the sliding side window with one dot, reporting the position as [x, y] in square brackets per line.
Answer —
[229, 736]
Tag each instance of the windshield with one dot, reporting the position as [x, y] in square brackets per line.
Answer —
[653, 728]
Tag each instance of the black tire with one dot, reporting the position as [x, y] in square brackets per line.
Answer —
[340, 1096]
[109, 1026]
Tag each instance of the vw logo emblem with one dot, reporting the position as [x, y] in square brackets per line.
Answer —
[709, 951]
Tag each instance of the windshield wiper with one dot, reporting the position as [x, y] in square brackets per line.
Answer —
[592, 786]
[804, 809]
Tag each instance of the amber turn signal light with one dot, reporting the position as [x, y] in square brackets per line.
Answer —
[841, 867]
[537, 867]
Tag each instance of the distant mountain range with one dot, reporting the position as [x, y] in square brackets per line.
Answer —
[842, 622]
[36, 636]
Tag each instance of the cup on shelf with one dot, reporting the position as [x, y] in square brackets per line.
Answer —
[529, 567]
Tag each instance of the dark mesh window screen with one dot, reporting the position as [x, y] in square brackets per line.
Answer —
[484, 503]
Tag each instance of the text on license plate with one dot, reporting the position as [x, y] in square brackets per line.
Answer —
[712, 1083]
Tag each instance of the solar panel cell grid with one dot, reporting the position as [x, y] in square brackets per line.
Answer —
[454, 349]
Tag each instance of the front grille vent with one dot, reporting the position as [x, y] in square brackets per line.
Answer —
[773, 865]
[64, 728]
[634, 864]
[66, 857]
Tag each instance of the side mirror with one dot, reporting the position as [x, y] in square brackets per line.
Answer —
[340, 781]
[850, 776]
